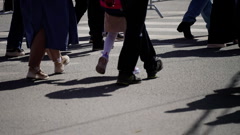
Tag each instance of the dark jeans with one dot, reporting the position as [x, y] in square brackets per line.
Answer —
[223, 22]
[16, 33]
[137, 42]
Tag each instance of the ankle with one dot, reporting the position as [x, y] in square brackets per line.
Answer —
[33, 69]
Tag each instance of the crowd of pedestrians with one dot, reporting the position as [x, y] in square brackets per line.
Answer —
[222, 25]
[50, 26]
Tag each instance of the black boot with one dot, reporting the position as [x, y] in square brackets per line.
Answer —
[185, 28]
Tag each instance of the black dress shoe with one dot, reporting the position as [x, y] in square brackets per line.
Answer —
[185, 28]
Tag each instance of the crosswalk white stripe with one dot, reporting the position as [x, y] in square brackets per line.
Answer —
[198, 23]
[173, 23]
[169, 26]
[171, 17]
[155, 29]
[173, 12]
[173, 30]
[152, 36]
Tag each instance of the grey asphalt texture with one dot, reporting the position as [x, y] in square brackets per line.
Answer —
[196, 93]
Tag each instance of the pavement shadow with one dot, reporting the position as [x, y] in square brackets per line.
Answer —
[84, 38]
[25, 58]
[98, 91]
[22, 83]
[214, 101]
[225, 99]
[202, 52]
[89, 80]
[3, 39]
[180, 42]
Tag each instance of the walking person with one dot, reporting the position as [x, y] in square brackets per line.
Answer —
[95, 20]
[224, 23]
[195, 8]
[114, 23]
[136, 44]
[16, 33]
[49, 25]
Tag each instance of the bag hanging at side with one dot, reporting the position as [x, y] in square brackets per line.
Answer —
[112, 7]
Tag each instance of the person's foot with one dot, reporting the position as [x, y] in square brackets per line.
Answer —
[127, 79]
[158, 65]
[102, 64]
[59, 66]
[185, 28]
[36, 73]
[14, 52]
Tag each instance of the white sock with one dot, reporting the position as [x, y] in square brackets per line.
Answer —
[109, 41]
[59, 60]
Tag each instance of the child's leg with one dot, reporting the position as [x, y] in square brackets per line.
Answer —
[109, 41]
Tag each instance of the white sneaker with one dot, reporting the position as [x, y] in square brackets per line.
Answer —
[59, 67]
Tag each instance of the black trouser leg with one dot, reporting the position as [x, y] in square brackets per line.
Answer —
[8, 5]
[16, 33]
[95, 21]
[135, 36]
[147, 52]
[80, 8]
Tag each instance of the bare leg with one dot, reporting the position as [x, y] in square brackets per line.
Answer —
[37, 49]
[36, 54]
[59, 60]
[54, 55]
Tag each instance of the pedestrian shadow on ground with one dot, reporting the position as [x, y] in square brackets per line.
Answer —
[221, 99]
[98, 91]
[210, 103]
[89, 80]
[25, 58]
[180, 42]
[202, 52]
[22, 83]
[225, 99]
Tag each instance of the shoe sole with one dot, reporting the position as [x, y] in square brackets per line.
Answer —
[14, 55]
[122, 83]
[101, 66]
[126, 83]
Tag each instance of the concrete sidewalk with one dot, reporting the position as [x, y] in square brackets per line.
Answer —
[197, 92]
